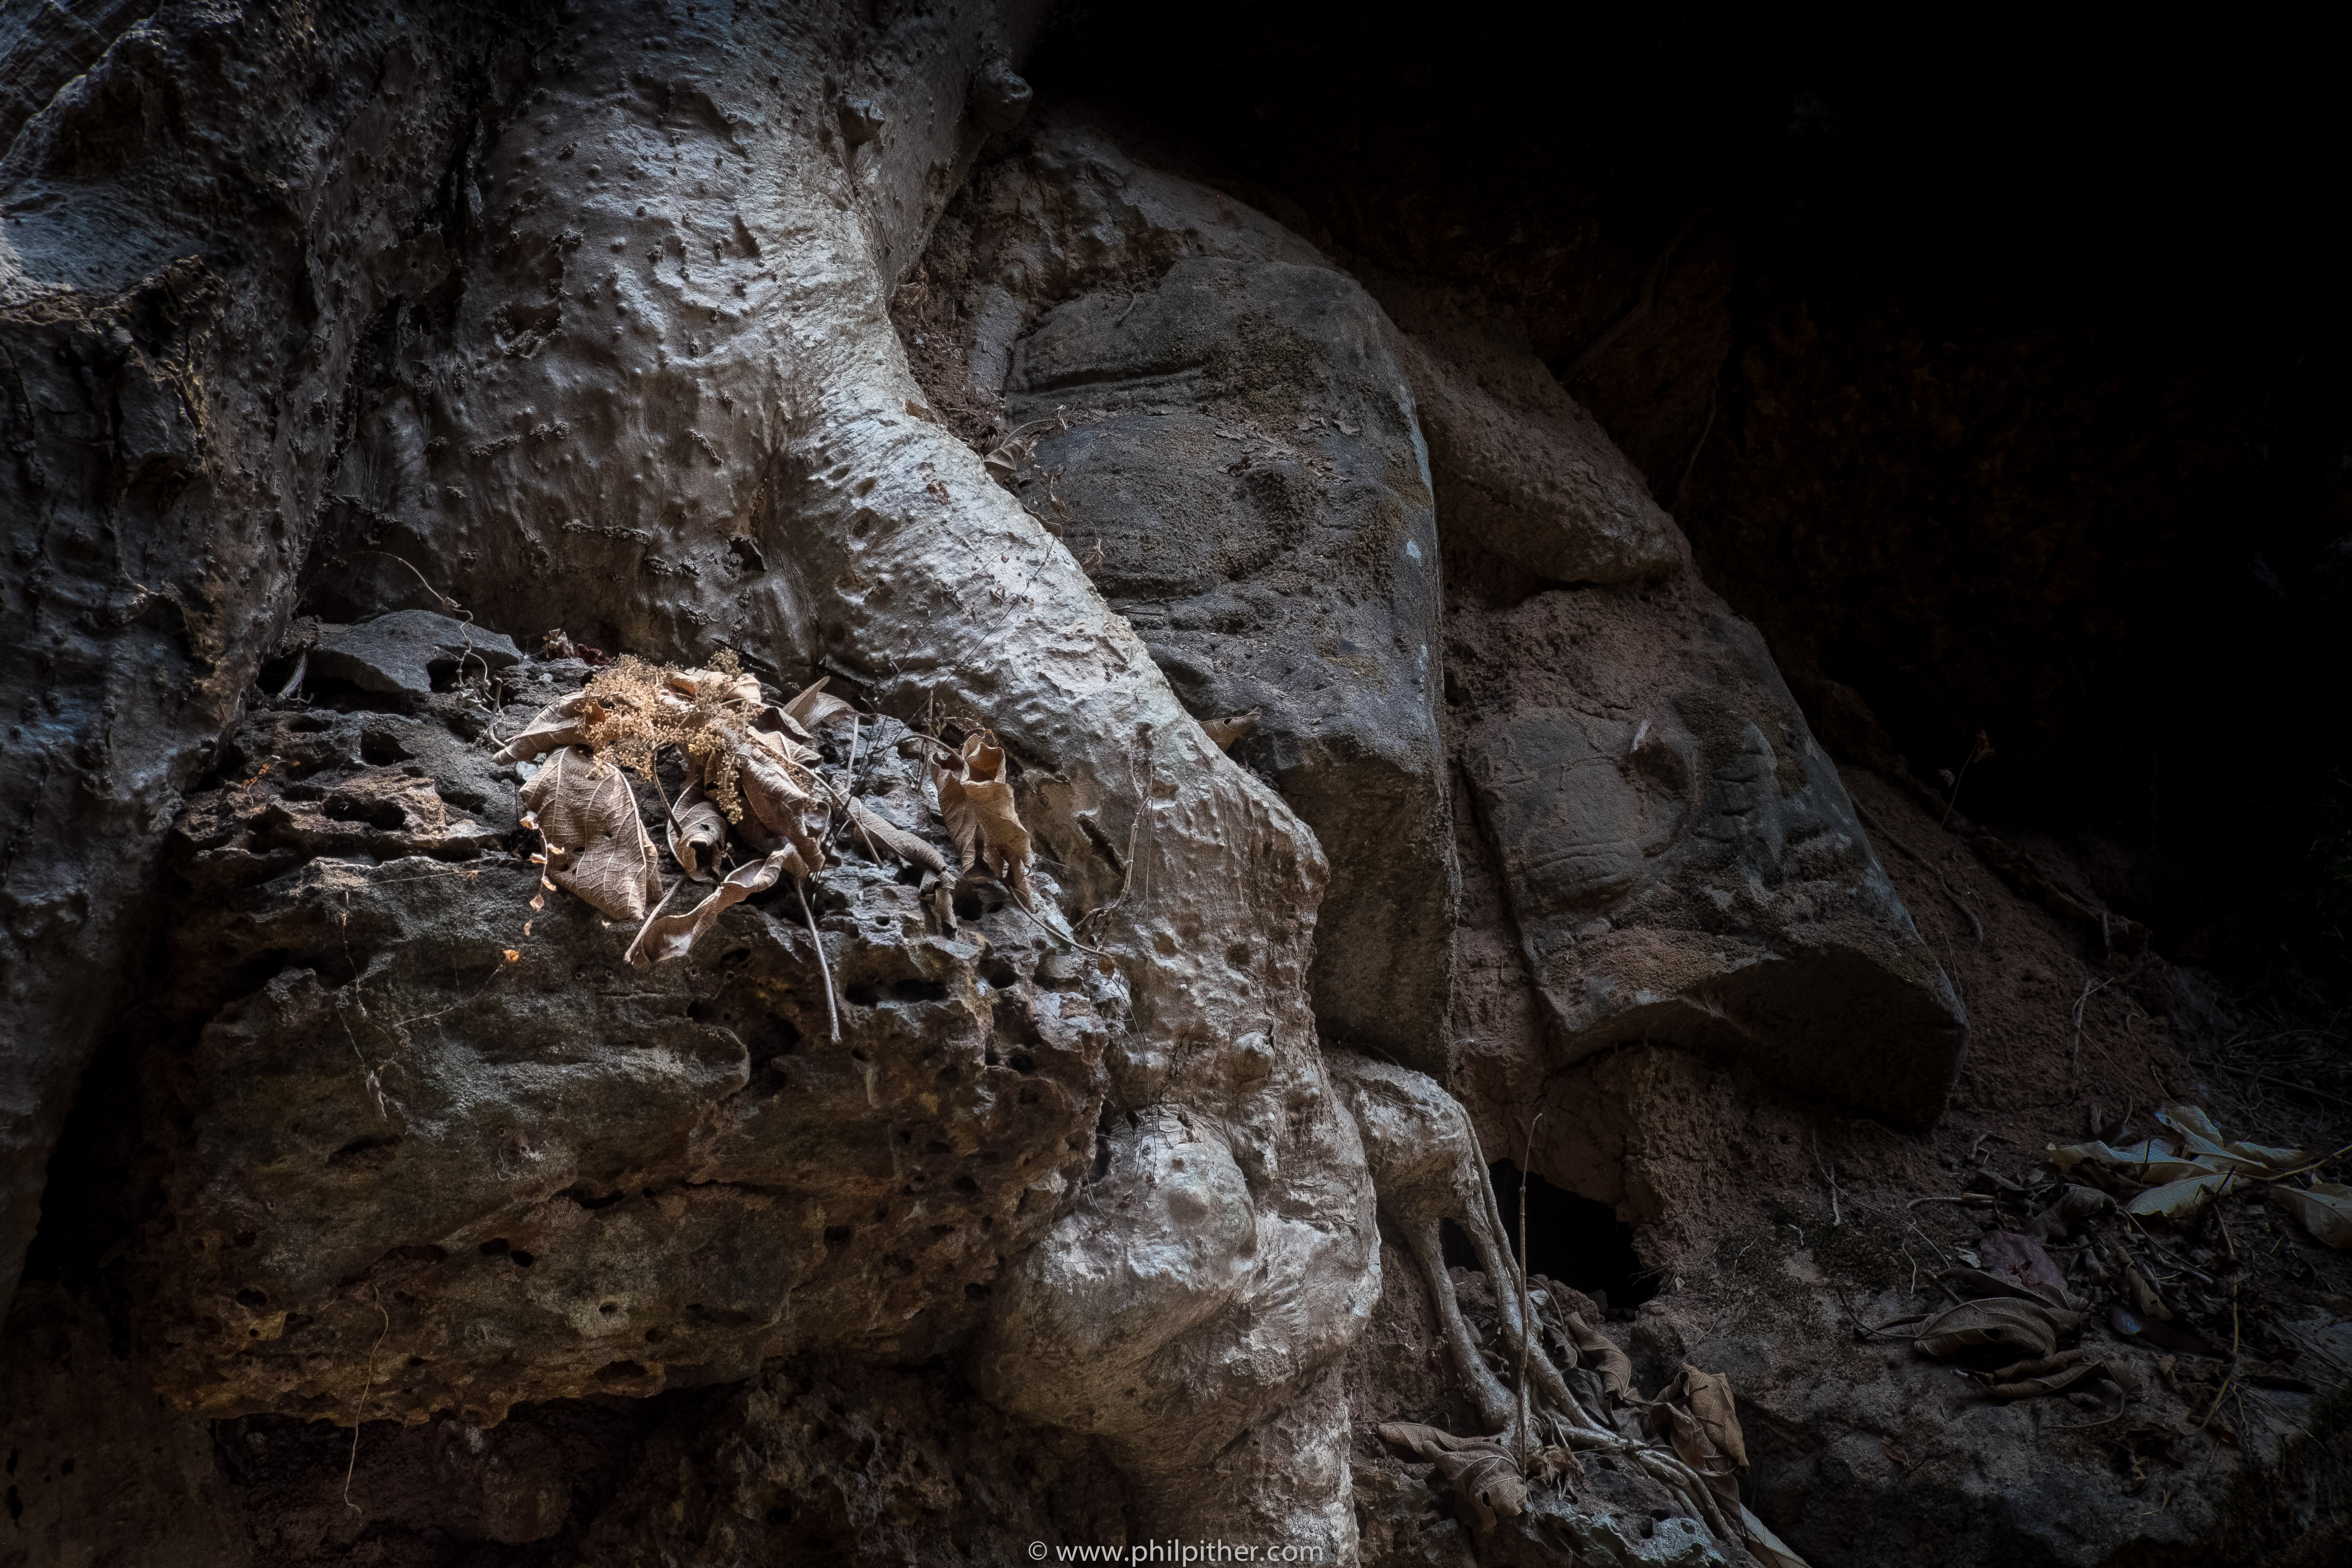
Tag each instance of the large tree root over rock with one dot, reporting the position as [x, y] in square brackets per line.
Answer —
[635, 376]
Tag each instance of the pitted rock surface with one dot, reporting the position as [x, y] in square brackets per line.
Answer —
[444, 1120]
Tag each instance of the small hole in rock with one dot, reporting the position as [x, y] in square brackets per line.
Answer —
[380, 748]
[371, 1151]
[1572, 1239]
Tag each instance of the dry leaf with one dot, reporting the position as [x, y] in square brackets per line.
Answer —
[2179, 1200]
[1225, 732]
[1975, 1284]
[1600, 1353]
[2150, 1160]
[557, 724]
[1555, 1462]
[513, 957]
[2052, 1375]
[2072, 1206]
[976, 805]
[2205, 1141]
[2205, 1166]
[2020, 1258]
[1480, 1469]
[2324, 1207]
[1695, 1414]
[878, 830]
[596, 846]
[2011, 1324]
[720, 686]
[1711, 1401]
[813, 705]
[666, 937]
[697, 833]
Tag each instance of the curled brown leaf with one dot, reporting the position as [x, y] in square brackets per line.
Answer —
[813, 705]
[880, 833]
[697, 833]
[1973, 1284]
[1718, 1411]
[557, 724]
[976, 804]
[2005, 1322]
[1601, 1352]
[596, 846]
[1225, 732]
[2053, 1373]
[1481, 1470]
[664, 937]
[2019, 1256]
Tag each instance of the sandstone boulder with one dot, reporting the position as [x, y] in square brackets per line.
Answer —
[1682, 863]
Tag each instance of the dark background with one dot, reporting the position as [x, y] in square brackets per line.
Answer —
[1993, 371]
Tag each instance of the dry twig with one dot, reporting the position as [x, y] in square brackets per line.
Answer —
[359, 1408]
[825, 969]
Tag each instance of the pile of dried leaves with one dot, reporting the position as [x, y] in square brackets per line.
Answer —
[754, 809]
[2154, 1179]
[2016, 1308]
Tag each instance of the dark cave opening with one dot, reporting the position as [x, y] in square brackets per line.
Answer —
[1574, 1239]
[1993, 386]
